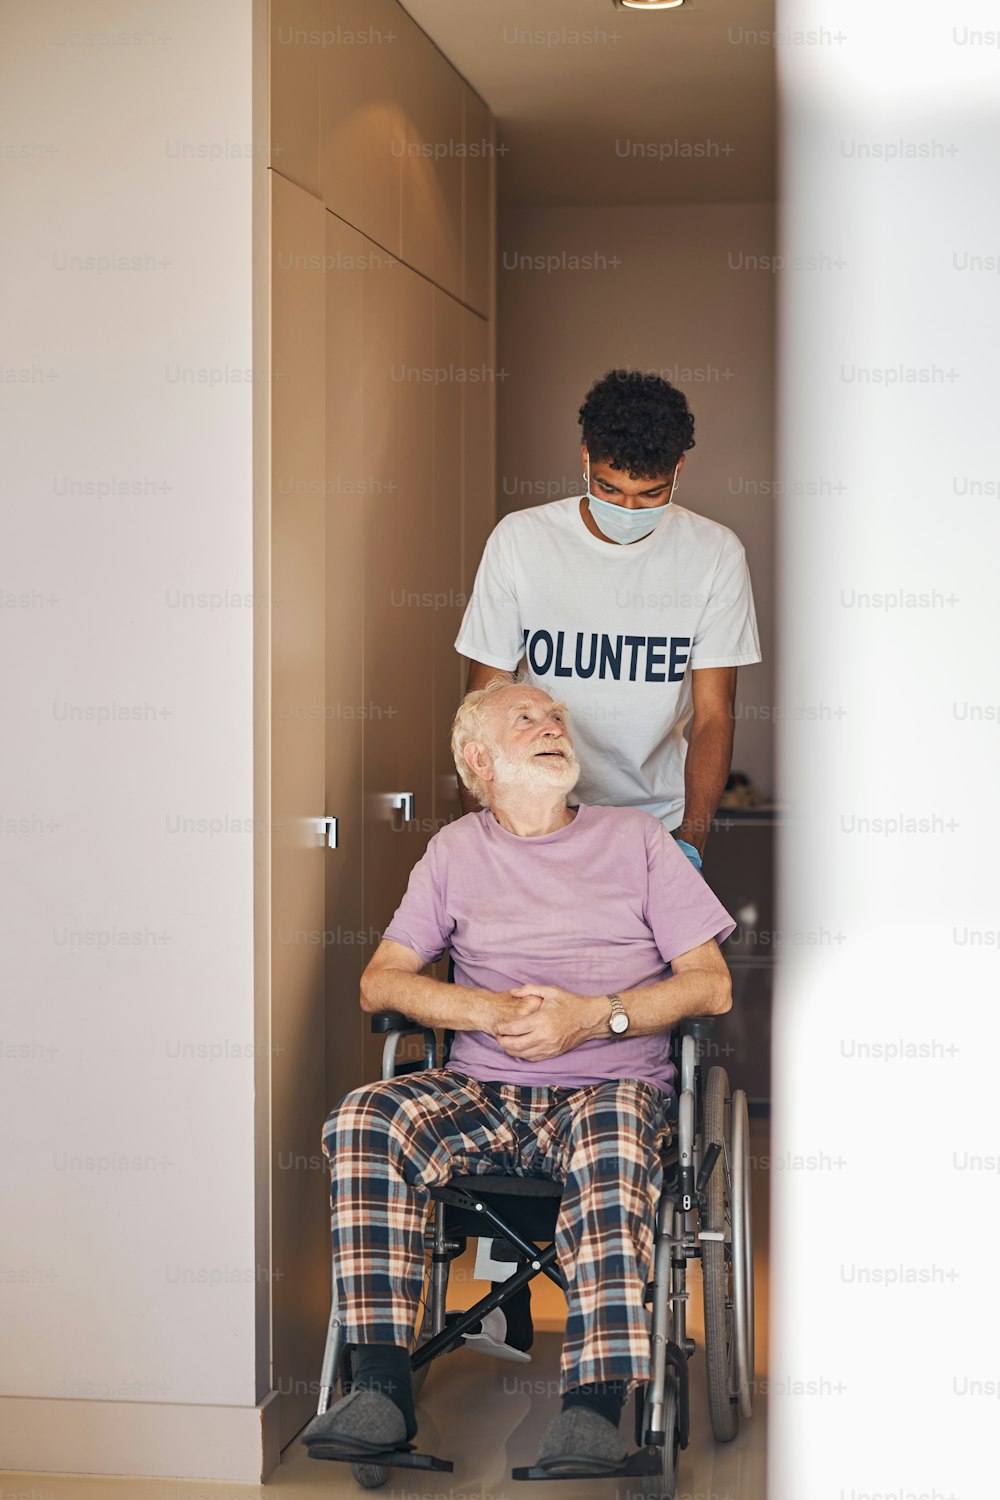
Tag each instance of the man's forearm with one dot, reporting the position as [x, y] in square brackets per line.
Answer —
[706, 771]
[428, 1001]
[658, 1007]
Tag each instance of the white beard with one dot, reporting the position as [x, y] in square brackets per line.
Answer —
[535, 773]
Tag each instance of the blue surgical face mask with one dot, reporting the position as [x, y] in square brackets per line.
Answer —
[618, 523]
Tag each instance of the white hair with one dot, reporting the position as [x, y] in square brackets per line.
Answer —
[472, 722]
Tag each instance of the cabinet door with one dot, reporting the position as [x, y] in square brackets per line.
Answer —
[300, 1241]
[362, 120]
[346, 941]
[293, 90]
[478, 464]
[432, 166]
[398, 585]
[740, 870]
[478, 178]
[447, 544]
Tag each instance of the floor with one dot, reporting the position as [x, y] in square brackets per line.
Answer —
[487, 1416]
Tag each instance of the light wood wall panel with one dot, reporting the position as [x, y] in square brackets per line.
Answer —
[293, 90]
[350, 489]
[478, 444]
[432, 167]
[399, 583]
[362, 117]
[382, 498]
[478, 204]
[298, 636]
[446, 665]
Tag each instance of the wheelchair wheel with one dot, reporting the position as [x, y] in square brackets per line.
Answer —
[671, 1446]
[743, 1252]
[370, 1476]
[717, 1265]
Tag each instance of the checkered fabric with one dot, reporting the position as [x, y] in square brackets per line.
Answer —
[389, 1142]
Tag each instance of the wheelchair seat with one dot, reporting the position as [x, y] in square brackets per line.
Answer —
[530, 1205]
[507, 1182]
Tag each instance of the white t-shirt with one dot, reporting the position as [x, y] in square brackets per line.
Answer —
[614, 631]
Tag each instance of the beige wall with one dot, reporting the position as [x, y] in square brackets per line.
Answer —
[131, 1227]
[167, 1318]
[583, 290]
[382, 275]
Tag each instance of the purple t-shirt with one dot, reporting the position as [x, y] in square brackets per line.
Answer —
[603, 904]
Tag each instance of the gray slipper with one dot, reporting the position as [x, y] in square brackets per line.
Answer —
[578, 1441]
[362, 1422]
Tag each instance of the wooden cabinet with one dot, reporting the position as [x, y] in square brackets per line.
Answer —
[432, 162]
[362, 118]
[740, 870]
[382, 498]
[447, 511]
[478, 443]
[348, 490]
[478, 200]
[296, 52]
[299, 867]
[399, 571]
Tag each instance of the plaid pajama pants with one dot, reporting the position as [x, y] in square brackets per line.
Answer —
[389, 1142]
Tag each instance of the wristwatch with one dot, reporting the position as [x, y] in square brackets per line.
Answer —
[618, 1020]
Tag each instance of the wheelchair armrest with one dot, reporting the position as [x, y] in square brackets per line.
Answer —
[698, 1027]
[394, 1020]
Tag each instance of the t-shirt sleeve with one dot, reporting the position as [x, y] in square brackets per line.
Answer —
[681, 909]
[420, 921]
[727, 632]
[491, 627]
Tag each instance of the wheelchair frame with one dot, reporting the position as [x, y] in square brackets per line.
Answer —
[661, 1406]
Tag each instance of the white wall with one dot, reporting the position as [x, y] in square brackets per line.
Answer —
[130, 1269]
[883, 1365]
[687, 291]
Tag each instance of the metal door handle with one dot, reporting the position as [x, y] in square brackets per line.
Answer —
[403, 801]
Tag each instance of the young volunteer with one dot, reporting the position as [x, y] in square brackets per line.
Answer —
[637, 613]
[633, 610]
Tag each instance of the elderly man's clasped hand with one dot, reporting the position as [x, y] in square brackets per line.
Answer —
[539, 1021]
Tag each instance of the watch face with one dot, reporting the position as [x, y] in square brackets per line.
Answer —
[619, 1023]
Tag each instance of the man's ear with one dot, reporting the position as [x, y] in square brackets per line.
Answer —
[477, 758]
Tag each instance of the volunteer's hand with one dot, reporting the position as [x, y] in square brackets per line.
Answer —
[690, 851]
[558, 1023]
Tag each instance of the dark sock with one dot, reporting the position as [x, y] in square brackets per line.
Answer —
[606, 1397]
[517, 1311]
[386, 1368]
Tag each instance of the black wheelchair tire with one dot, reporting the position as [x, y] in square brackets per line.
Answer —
[716, 1269]
[370, 1476]
[671, 1446]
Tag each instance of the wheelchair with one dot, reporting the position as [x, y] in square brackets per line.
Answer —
[704, 1213]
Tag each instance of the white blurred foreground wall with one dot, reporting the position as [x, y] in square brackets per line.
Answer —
[885, 1186]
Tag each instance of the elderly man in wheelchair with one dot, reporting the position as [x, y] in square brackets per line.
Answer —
[580, 935]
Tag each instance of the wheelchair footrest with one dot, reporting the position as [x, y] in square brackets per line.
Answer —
[644, 1461]
[396, 1458]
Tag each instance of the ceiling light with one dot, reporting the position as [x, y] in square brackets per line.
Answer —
[648, 4]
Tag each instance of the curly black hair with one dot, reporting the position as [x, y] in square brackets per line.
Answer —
[637, 422]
